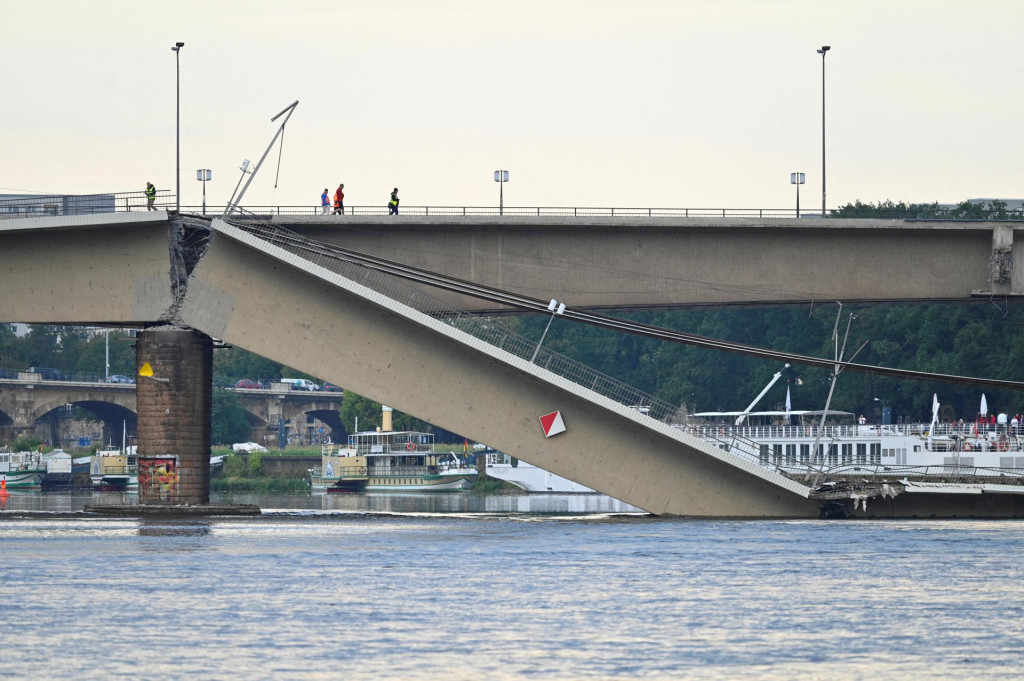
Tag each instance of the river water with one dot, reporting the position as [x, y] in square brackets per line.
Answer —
[499, 587]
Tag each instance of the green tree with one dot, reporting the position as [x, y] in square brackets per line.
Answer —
[232, 364]
[229, 421]
[234, 467]
[256, 465]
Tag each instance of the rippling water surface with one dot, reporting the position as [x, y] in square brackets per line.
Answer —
[463, 587]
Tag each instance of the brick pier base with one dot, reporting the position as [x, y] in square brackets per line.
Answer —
[174, 415]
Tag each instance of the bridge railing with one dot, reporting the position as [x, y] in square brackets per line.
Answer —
[85, 204]
[924, 213]
[48, 375]
[39, 205]
[487, 329]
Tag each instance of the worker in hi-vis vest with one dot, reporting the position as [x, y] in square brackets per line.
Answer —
[393, 204]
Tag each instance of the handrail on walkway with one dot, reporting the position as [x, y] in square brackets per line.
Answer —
[40, 205]
[118, 202]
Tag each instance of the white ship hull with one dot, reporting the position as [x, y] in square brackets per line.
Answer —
[23, 479]
[532, 479]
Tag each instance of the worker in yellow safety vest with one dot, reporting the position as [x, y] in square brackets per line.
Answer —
[393, 204]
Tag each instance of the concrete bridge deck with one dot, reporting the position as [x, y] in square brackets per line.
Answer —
[588, 262]
[629, 263]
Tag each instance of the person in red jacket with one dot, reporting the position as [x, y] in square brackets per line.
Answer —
[339, 200]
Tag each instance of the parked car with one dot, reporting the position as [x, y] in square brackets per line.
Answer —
[300, 384]
[248, 384]
[331, 388]
[118, 378]
[48, 374]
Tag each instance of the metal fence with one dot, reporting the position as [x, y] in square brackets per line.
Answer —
[118, 202]
[486, 329]
[33, 206]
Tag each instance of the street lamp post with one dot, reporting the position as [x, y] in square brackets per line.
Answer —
[177, 124]
[501, 177]
[797, 179]
[205, 174]
[822, 51]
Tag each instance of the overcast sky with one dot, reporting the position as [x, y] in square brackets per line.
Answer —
[680, 103]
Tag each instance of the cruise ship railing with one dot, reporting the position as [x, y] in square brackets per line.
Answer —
[954, 473]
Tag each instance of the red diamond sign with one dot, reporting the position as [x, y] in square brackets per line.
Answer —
[552, 423]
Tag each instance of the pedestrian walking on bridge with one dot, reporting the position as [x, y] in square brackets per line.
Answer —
[325, 201]
[150, 196]
[339, 200]
[393, 204]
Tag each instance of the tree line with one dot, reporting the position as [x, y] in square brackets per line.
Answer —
[981, 339]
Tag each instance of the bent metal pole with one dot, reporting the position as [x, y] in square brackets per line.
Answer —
[235, 200]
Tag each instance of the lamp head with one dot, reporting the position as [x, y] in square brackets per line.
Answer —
[824, 49]
[180, 44]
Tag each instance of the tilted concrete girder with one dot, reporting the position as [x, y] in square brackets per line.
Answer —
[281, 307]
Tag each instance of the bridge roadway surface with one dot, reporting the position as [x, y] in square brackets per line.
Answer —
[119, 270]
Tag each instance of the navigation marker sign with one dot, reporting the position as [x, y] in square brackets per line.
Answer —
[552, 423]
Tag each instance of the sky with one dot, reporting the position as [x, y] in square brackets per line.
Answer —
[648, 103]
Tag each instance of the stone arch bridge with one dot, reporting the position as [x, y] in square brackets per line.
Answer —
[29, 406]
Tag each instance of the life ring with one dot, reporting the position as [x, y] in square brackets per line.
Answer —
[1004, 445]
[362, 470]
[968, 447]
[410, 446]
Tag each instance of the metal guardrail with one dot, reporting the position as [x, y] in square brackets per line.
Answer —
[34, 206]
[486, 329]
[929, 213]
[118, 202]
[265, 212]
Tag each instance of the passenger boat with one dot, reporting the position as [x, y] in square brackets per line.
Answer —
[859, 461]
[528, 477]
[21, 470]
[917, 449]
[115, 469]
[390, 461]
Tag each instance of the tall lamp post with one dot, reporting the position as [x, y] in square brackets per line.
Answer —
[177, 124]
[797, 179]
[822, 51]
[205, 174]
[501, 177]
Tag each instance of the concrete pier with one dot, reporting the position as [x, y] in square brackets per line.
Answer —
[175, 375]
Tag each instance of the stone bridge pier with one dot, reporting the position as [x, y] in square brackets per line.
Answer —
[174, 391]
